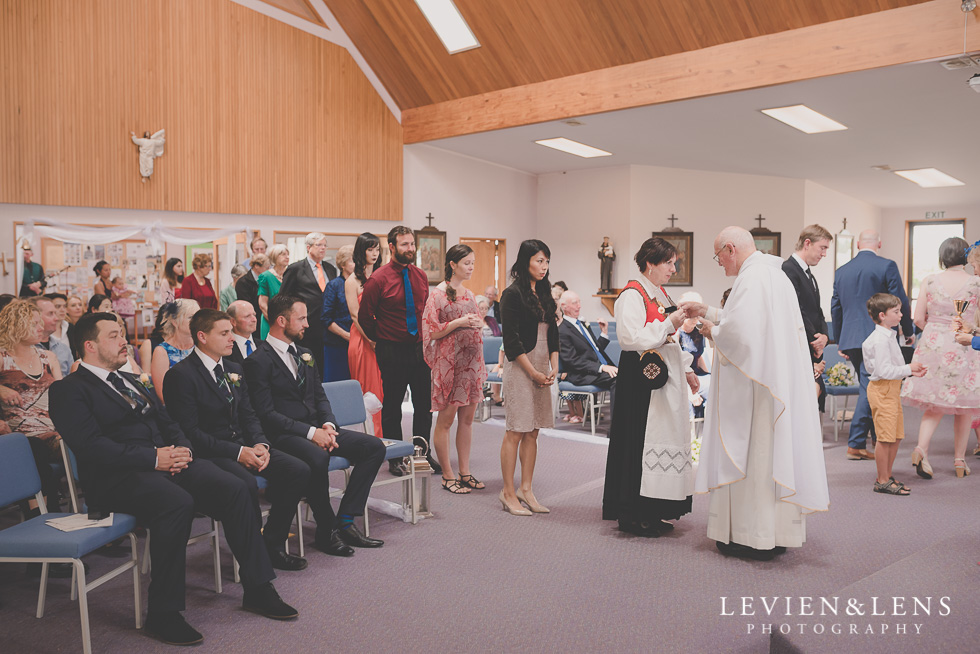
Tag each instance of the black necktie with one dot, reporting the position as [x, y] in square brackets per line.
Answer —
[300, 377]
[814, 282]
[121, 386]
[222, 381]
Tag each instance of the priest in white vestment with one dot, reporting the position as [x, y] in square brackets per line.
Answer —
[761, 453]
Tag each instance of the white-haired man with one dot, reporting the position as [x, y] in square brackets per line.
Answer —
[306, 279]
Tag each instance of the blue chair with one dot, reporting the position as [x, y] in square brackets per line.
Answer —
[831, 357]
[491, 357]
[613, 350]
[34, 541]
[830, 332]
[592, 394]
[347, 401]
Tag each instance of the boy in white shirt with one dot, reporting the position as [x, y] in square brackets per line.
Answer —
[887, 368]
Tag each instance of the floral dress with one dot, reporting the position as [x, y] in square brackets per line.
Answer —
[952, 381]
[456, 359]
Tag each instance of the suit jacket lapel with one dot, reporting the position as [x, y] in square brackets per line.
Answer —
[101, 385]
[208, 379]
[277, 362]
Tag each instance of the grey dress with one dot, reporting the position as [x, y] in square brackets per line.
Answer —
[528, 406]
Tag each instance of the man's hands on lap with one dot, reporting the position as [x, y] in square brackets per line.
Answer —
[173, 459]
[326, 437]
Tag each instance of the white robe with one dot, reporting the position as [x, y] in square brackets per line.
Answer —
[762, 429]
[667, 472]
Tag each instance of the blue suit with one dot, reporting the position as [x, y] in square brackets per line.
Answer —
[854, 284]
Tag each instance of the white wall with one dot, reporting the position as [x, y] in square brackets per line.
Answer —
[826, 207]
[893, 226]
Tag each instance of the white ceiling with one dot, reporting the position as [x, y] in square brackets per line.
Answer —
[913, 116]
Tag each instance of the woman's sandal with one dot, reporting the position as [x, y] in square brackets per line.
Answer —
[454, 487]
[891, 487]
[472, 482]
[962, 470]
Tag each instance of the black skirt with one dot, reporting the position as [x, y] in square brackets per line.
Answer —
[621, 499]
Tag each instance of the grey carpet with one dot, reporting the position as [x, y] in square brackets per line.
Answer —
[475, 579]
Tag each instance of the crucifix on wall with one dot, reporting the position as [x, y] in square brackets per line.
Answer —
[430, 251]
[766, 240]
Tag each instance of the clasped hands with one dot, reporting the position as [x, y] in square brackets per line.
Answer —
[326, 437]
[255, 458]
[173, 459]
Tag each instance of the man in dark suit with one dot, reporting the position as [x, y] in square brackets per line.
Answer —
[247, 288]
[134, 459]
[583, 358]
[209, 399]
[243, 322]
[287, 394]
[811, 247]
[491, 294]
[854, 283]
[306, 280]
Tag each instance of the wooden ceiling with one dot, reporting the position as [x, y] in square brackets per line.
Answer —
[529, 41]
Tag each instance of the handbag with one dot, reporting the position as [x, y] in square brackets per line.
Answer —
[653, 370]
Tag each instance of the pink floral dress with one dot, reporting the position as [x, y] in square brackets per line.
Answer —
[456, 359]
[951, 384]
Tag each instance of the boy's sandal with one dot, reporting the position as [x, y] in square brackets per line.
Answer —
[472, 482]
[891, 487]
[454, 487]
[899, 483]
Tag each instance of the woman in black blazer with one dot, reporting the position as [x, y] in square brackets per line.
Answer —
[530, 334]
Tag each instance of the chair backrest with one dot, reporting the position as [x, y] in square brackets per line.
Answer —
[491, 349]
[347, 401]
[18, 474]
[831, 356]
[613, 350]
[830, 331]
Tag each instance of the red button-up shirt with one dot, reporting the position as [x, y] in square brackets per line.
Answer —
[382, 311]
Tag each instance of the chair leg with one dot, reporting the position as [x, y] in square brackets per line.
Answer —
[367, 527]
[238, 577]
[134, 557]
[592, 408]
[83, 606]
[146, 554]
[299, 528]
[42, 592]
[216, 554]
[74, 585]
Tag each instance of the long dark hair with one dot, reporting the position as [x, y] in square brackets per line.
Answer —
[455, 254]
[364, 242]
[95, 301]
[170, 275]
[542, 304]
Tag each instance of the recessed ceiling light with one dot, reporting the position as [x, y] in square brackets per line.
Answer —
[448, 24]
[574, 147]
[804, 119]
[929, 177]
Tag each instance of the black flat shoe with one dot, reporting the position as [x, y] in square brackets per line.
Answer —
[746, 552]
[646, 529]
[334, 546]
[282, 561]
[169, 627]
[264, 600]
[353, 537]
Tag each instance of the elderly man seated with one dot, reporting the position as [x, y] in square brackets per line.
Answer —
[583, 358]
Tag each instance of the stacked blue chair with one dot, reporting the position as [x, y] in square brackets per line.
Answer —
[34, 541]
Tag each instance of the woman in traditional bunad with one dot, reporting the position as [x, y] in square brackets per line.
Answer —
[649, 477]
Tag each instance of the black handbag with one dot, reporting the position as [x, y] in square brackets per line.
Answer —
[653, 370]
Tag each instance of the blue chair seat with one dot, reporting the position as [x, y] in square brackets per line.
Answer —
[840, 390]
[494, 378]
[338, 463]
[32, 538]
[568, 387]
[399, 450]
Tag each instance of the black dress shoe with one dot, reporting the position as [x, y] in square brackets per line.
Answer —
[264, 600]
[334, 546]
[436, 468]
[353, 537]
[645, 529]
[746, 552]
[282, 561]
[398, 467]
[169, 627]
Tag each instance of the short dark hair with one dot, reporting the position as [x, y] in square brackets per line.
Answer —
[560, 284]
[398, 230]
[95, 301]
[87, 329]
[281, 305]
[204, 320]
[952, 252]
[56, 296]
[879, 303]
[653, 252]
[98, 266]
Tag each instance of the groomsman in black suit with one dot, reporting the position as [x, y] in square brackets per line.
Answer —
[243, 322]
[583, 356]
[288, 397]
[811, 247]
[306, 280]
[134, 459]
[247, 287]
[209, 398]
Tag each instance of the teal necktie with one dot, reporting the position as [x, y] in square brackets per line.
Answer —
[411, 321]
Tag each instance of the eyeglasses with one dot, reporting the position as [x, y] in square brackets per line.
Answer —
[720, 251]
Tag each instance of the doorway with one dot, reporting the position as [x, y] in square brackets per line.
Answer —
[491, 263]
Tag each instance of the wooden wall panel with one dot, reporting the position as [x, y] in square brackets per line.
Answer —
[899, 36]
[261, 118]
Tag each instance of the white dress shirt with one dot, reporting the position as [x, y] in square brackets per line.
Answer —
[211, 364]
[282, 349]
[883, 356]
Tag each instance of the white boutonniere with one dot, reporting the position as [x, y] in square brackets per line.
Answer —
[307, 358]
[233, 379]
[146, 382]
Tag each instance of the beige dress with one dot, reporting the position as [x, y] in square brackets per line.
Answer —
[529, 407]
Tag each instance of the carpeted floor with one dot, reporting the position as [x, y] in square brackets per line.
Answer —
[476, 579]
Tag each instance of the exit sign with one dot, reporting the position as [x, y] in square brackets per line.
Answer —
[935, 215]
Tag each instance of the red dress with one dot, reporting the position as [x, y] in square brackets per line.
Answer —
[456, 359]
[364, 368]
[203, 294]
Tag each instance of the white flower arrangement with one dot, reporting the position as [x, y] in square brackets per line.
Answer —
[695, 449]
[840, 374]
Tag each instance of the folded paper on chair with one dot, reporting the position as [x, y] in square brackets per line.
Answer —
[78, 521]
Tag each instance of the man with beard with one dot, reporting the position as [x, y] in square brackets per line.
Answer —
[288, 398]
[391, 315]
[133, 458]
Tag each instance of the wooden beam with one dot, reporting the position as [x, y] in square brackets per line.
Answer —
[899, 36]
